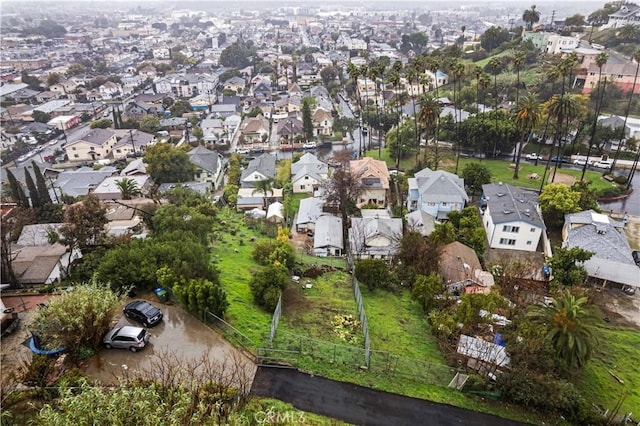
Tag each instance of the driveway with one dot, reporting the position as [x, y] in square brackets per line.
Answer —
[359, 405]
[180, 333]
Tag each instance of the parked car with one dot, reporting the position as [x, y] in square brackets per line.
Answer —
[309, 145]
[533, 156]
[242, 150]
[580, 162]
[603, 164]
[143, 312]
[127, 337]
[556, 159]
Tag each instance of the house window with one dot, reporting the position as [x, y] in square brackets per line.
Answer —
[528, 243]
[508, 242]
[533, 229]
[118, 151]
[508, 228]
[74, 148]
[431, 204]
[301, 186]
[306, 177]
[76, 155]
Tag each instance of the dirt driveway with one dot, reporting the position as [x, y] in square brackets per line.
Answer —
[180, 333]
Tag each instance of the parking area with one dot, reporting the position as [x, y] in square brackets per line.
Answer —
[180, 333]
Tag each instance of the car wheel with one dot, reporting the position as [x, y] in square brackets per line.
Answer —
[133, 349]
[108, 346]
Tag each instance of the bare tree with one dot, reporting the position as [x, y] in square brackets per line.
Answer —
[343, 189]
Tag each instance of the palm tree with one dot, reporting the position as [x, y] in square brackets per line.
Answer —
[263, 187]
[412, 77]
[128, 188]
[636, 57]
[376, 72]
[495, 64]
[527, 118]
[565, 109]
[518, 62]
[429, 117]
[531, 16]
[433, 65]
[458, 70]
[601, 60]
[570, 327]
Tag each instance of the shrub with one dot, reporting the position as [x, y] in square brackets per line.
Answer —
[200, 295]
[374, 273]
[620, 180]
[267, 284]
[36, 372]
[614, 191]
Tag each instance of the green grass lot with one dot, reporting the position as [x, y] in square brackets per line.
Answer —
[615, 352]
[310, 312]
[502, 173]
[397, 324]
[236, 269]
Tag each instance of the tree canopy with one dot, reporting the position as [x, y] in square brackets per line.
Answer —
[166, 163]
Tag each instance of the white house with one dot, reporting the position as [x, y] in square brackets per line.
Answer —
[327, 239]
[308, 213]
[375, 237]
[436, 193]
[308, 173]
[511, 217]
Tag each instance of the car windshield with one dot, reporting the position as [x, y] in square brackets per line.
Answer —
[141, 335]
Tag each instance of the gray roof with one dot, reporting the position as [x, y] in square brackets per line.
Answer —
[79, 182]
[202, 188]
[328, 232]
[133, 137]
[310, 210]
[205, 159]
[173, 121]
[598, 235]
[421, 222]
[508, 203]
[264, 164]
[439, 186]
[136, 166]
[95, 137]
[37, 235]
[364, 229]
[309, 159]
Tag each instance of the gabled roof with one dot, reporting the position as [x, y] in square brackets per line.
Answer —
[309, 162]
[290, 126]
[37, 235]
[457, 263]
[235, 80]
[310, 170]
[365, 229]
[508, 203]
[79, 182]
[310, 210]
[204, 158]
[438, 186]
[255, 125]
[95, 137]
[264, 164]
[328, 232]
[371, 173]
[421, 222]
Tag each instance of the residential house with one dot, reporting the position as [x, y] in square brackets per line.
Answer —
[95, 145]
[255, 129]
[138, 109]
[461, 271]
[80, 182]
[628, 14]
[235, 84]
[511, 217]
[223, 110]
[308, 173]
[327, 237]
[421, 222]
[64, 87]
[612, 261]
[375, 237]
[373, 178]
[136, 167]
[125, 217]
[258, 169]
[288, 129]
[131, 143]
[209, 166]
[108, 189]
[275, 213]
[148, 71]
[483, 355]
[202, 188]
[110, 90]
[36, 261]
[187, 85]
[262, 90]
[436, 192]
[437, 79]
[322, 123]
[308, 213]
[252, 198]
[214, 132]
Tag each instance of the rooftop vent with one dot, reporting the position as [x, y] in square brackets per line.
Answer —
[507, 211]
[501, 194]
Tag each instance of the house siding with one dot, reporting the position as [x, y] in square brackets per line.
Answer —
[501, 239]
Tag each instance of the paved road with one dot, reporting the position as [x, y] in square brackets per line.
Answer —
[359, 405]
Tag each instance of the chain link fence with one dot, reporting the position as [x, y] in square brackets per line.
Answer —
[274, 321]
[363, 320]
[230, 333]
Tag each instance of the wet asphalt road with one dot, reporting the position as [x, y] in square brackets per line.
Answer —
[179, 332]
[359, 405]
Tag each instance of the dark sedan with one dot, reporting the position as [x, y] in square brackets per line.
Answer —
[143, 312]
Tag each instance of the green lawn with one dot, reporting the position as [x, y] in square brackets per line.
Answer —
[502, 173]
[397, 324]
[615, 353]
[232, 254]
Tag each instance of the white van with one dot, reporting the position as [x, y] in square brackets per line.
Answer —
[603, 164]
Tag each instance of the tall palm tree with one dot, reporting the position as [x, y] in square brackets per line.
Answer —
[458, 69]
[527, 118]
[376, 73]
[518, 62]
[495, 64]
[364, 113]
[601, 60]
[636, 57]
[433, 65]
[531, 16]
[570, 327]
[263, 187]
[565, 109]
[429, 117]
[412, 73]
[128, 188]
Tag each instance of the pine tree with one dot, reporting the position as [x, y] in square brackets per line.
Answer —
[33, 191]
[43, 191]
[17, 193]
[307, 122]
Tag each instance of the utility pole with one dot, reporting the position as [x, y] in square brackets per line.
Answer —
[553, 17]
[132, 143]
